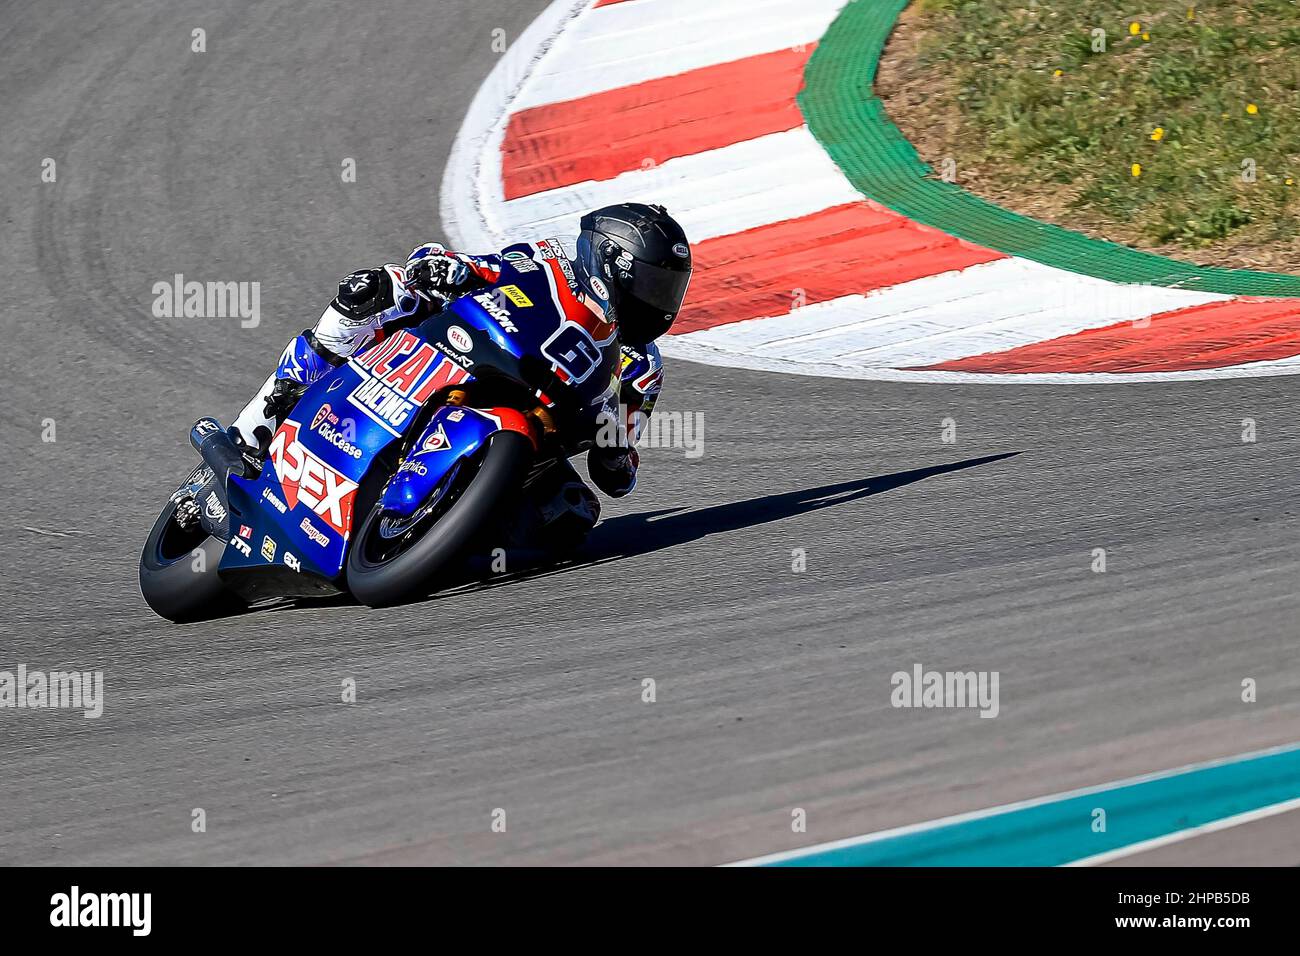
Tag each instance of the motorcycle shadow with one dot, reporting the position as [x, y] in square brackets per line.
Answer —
[645, 532]
[633, 535]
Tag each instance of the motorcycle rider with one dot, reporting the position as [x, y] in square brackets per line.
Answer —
[631, 270]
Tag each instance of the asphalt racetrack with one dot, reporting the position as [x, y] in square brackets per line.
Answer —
[772, 686]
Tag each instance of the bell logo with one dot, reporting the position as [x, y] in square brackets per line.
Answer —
[459, 338]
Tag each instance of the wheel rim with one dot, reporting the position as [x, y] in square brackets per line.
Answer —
[390, 535]
[177, 544]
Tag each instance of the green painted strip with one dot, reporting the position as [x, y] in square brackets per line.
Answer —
[1059, 830]
[850, 122]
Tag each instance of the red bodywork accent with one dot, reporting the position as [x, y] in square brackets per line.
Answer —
[513, 420]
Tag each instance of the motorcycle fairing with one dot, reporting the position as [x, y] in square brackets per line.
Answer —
[302, 503]
[298, 513]
[453, 433]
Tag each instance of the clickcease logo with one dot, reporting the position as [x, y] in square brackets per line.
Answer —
[103, 909]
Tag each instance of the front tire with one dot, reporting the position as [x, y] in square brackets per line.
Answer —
[178, 573]
[378, 578]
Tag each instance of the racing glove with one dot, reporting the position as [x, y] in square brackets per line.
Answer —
[430, 269]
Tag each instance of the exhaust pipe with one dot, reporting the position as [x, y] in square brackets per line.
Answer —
[222, 455]
[218, 451]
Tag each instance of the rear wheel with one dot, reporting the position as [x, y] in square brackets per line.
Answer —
[178, 572]
[395, 556]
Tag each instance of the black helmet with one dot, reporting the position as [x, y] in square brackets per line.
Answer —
[637, 258]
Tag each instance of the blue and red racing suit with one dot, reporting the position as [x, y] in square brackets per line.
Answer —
[373, 303]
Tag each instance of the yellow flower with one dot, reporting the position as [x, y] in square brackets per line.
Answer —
[1158, 133]
[1135, 28]
[1136, 169]
[1146, 37]
[1191, 13]
[1058, 73]
[1290, 182]
[1252, 109]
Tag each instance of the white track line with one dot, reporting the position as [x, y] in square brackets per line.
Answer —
[1226, 823]
[715, 193]
[471, 181]
[628, 43]
[689, 348]
[910, 828]
[990, 307]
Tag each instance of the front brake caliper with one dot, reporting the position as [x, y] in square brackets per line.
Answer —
[187, 509]
[186, 515]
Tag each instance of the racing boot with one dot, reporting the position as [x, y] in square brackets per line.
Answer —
[262, 417]
[301, 364]
[613, 470]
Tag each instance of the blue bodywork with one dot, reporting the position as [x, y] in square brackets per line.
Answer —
[297, 516]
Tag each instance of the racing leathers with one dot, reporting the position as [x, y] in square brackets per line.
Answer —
[373, 303]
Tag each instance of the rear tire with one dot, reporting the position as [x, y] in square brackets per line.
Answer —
[178, 573]
[504, 462]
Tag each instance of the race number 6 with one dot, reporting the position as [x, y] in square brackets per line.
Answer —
[574, 350]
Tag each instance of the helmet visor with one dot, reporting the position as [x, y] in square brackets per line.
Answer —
[661, 289]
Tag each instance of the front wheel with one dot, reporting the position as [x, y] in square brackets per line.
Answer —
[178, 572]
[393, 557]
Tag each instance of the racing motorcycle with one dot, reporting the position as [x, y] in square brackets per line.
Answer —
[394, 466]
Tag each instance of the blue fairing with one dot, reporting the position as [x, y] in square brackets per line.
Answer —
[452, 434]
[304, 498]
[518, 314]
[298, 514]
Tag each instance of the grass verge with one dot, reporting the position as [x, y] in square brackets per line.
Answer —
[1173, 128]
